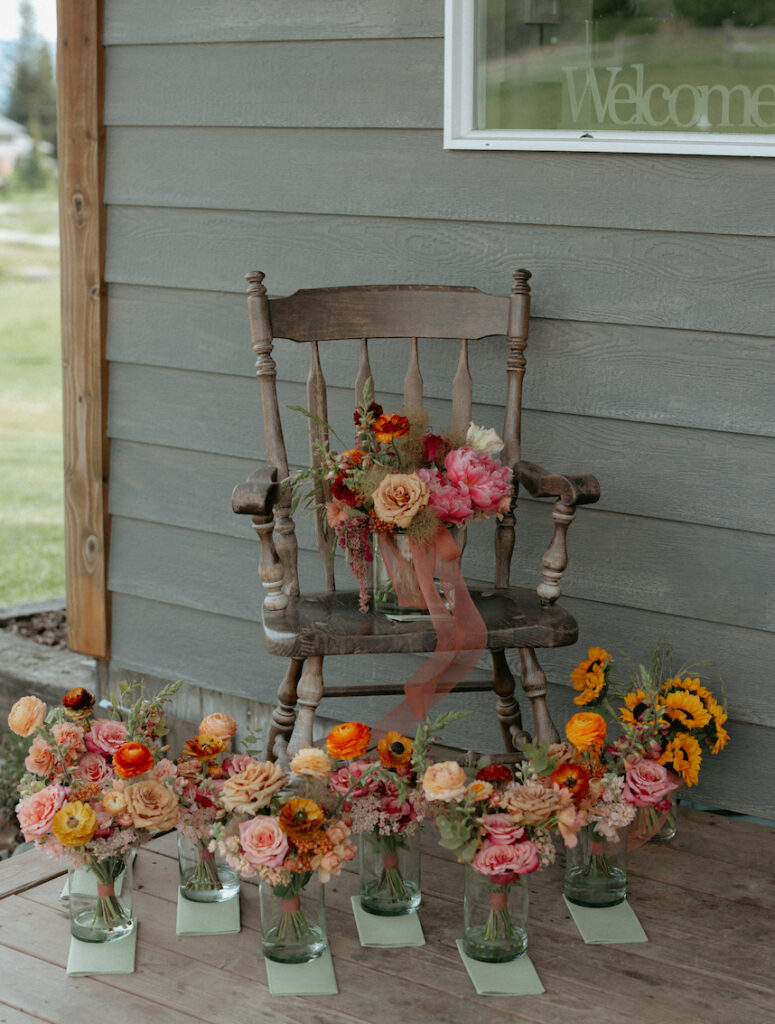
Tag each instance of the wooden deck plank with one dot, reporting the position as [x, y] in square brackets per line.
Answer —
[10, 1015]
[27, 869]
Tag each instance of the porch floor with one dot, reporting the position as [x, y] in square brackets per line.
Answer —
[706, 900]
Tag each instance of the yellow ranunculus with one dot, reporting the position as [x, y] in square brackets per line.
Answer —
[74, 823]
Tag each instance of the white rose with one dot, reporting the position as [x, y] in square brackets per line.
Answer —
[484, 440]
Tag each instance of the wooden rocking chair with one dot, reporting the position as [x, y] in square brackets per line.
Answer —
[304, 628]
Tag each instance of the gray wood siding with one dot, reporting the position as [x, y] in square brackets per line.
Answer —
[304, 140]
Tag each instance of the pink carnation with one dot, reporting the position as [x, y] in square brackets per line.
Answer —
[501, 829]
[70, 735]
[41, 758]
[36, 812]
[451, 504]
[105, 736]
[163, 769]
[486, 482]
[94, 768]
[263, 841]
[504, 864]
[647, 782]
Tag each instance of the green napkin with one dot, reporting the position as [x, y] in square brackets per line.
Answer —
[116, 957]
[315, 978]
[376, 930]
[607, 924]
[207, 918]
[515, 978]
[86, 882]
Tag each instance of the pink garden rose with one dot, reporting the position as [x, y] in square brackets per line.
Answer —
[263, 841]
[647, 782]
[486, 482]
[41, 759]
[341, 779]
[94, 768]
[105, 736]
[163, 769]
[501, 829]
[237, 763]
[504, 864]
[36, 812]
[451, 504]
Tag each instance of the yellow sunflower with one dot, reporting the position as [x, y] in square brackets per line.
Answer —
[636, 701]
[717, 737]
[683, 752]
[589, 676]
[74, 823]
[687, 708]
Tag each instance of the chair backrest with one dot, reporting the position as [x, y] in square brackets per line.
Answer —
[371, 312]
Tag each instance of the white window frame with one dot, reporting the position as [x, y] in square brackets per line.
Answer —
[459, 98]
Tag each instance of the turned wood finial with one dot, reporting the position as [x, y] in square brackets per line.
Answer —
[255, 279]
[520, 286]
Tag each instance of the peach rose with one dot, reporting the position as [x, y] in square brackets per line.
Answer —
[531, 804]
[218, 724]
[41, 758]
[151, 805]
[444, 781]
[263, 842]
[36, 812]
[586, 731]
[114, 801]
[26, 716]
[313, 762]
[94, 768]
[399, 498]
[253, 788]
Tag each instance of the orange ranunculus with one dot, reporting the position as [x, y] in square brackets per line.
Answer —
[352, 456]
[395, 751]
[204, 747]
[300, 818]
[132, 759]
[573, 777]
[586, 731]
[348, 740]
[387, 427]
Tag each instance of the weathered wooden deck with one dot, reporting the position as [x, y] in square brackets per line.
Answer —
[706, 900]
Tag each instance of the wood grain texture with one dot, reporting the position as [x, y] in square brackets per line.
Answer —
[364, 171]
[191, 21]
[80, 132]
[703, 282]
[19, 873]
[618, 371]
[337, 83]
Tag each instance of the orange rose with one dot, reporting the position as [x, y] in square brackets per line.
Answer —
[586, 731]
[395, 751]
[26, 715]
[132, 759]
[204, 748]
[399, 497]
[388, 427]
[300, 819]
[218, 724]
[348, 740]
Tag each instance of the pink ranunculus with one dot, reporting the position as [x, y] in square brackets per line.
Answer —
[647, 782]
[41, 758]
[237, 763]
[105, 736]
[451, 504]
[36, 812]
[263, 841]
[94, 768]
[486, 482]
[504, 864]
[70, 735]
[501, 829]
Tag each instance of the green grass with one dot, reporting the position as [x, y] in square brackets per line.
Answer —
[31, 499]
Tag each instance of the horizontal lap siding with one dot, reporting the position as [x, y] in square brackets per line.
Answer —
[304, 140]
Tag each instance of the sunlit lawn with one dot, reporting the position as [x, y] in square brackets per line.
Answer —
[31, 497]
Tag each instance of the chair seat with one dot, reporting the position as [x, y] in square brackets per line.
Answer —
[330, 623]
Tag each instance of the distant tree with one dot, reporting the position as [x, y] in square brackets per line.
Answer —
[32, 98]
[716, 12]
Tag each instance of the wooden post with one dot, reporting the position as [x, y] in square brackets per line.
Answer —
[82, 231]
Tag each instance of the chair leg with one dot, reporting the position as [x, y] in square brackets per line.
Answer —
[534, 685]
[284, 715]
[509, 712]
[309, 695]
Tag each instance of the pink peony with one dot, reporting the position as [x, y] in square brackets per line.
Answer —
[94, 768]
[504, 864]
[647, 782]
[263, 841]
[501, 829]
[451, 504]
[41, 759]
[36, 812]
[486, 482]
[105, 736]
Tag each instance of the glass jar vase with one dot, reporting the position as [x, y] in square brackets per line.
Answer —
[494, 917]
[205, 876]
[293, 919]
[596, 869]
[390, 873]
[100, 899]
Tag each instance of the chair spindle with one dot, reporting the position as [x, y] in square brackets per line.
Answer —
[413, 384]
[318, 436]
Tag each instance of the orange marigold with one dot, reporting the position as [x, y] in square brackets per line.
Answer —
[300, 819]
[395, 751]
[348, 740]
[387, 427]
[132, 759]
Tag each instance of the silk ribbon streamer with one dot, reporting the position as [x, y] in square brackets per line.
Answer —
[461, 632]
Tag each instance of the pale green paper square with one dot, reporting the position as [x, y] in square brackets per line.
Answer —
[387, 932]
[86, 883]
[116, 957]
[207, 918]
[315, 978]
[607, 924]
[515, 978]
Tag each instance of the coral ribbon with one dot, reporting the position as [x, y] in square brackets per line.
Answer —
[291, 905]
[460, 630]
[106, 890]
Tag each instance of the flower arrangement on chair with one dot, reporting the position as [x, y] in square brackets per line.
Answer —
[95, 788]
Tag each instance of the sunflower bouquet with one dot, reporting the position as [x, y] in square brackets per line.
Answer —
[95, 788]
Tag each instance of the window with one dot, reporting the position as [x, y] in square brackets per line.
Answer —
[657, 76]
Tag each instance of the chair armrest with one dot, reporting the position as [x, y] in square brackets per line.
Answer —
[581, 489]
[257, 495]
